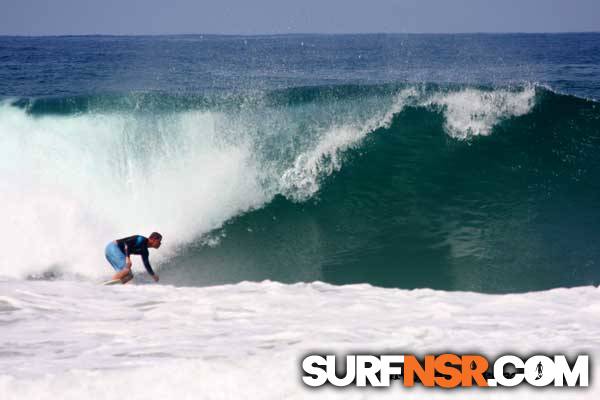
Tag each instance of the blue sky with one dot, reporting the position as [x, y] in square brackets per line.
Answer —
[58, 17]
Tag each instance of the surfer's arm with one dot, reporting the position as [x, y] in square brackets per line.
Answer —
[127, 258]
[148, 266]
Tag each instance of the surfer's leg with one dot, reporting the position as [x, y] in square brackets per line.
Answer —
[127, 278]
[117, 259]
[122, 274]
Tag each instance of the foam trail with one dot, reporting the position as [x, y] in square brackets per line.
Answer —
[247, 340]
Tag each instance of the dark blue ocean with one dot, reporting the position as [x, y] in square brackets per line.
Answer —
[455, 162]
[197, 64]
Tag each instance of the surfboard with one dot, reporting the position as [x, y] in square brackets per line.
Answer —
[129, 279]
[112, 282]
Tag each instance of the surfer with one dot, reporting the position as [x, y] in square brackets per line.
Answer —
[539, 369]
[118, 254]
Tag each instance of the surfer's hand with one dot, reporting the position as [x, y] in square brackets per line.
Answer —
[155, 277]
[128, 262]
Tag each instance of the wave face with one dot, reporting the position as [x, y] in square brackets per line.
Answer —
[450, 187]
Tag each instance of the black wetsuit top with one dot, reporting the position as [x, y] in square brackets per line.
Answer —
[136, 244]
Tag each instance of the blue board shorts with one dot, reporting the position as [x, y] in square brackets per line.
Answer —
[115, 256]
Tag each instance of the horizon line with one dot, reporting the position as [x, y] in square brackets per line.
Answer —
[297, 34]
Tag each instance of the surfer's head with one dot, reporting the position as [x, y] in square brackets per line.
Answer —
[154, 240]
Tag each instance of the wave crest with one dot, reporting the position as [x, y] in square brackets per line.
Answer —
[472, 112]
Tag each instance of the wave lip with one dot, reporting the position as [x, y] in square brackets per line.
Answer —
[301, 181]
[468, 112]
[472, 112]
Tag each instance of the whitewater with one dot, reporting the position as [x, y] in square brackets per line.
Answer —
[247, 340]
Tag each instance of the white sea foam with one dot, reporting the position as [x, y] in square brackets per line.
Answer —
[301, 181]
[472, 112]
[71, 184]
[74, 340]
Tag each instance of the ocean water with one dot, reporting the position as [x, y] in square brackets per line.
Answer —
[314, 191]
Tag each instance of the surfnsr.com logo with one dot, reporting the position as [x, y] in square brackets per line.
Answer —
[444, 370]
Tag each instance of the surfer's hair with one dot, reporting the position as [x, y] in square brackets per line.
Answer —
[155, 236]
